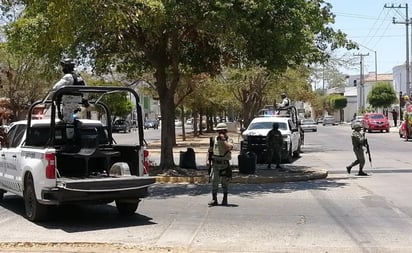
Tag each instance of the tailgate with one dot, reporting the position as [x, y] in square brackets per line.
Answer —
[105, 184]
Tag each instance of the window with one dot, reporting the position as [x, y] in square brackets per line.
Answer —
[266, 125]
[15, 135]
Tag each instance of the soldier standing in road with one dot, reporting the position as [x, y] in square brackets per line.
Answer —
[274, 141]
[221, 171]
[358, 142]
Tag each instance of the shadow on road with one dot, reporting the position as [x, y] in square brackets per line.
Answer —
[75, 218]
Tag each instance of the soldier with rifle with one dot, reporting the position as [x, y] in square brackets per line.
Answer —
[358, 142]
[220, 155]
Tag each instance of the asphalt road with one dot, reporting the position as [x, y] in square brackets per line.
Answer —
[342, 213]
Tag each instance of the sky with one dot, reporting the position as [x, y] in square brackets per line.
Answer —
[369, 23]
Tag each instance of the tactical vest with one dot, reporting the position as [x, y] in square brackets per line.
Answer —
[78, 80]
[220, 151]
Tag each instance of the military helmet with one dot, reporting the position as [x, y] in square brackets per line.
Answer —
[67, 62]
[357, 125]
[221, 126]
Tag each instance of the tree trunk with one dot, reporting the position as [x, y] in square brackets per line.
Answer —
[167, 108]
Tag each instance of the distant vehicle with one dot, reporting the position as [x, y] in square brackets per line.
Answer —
[151, 123]
[308, 125]
[328, 120]
[121, 125]
[375, 121]
[319, 120]
[358, 119]
[178, 123]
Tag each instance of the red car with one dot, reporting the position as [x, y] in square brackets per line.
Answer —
[375, 121]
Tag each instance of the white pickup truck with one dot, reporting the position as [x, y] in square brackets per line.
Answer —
[57, 161]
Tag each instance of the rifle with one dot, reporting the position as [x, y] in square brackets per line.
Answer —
[209, 156]
[368, 151]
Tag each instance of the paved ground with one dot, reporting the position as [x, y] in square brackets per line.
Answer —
[200, 146]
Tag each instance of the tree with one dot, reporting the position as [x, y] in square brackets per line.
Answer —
[172, 37]
[382, 95]
[337, 101]
[24, 79]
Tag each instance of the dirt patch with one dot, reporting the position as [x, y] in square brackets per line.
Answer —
[176, 172]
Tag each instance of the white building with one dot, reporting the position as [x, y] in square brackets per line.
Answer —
[357, 94]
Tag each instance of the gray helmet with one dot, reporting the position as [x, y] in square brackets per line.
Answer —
[221, 126]
[283, 95]
[67, 62]
[357, 125]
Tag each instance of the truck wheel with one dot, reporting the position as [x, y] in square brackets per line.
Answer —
[127, 207]
[289, 158]
[34, 210]
[2, 194]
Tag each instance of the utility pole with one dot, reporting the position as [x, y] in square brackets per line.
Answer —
[361, 94]
[407, 22]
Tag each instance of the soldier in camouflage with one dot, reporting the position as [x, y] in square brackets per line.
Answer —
[358, 142]
[221, 171]
[274, 141]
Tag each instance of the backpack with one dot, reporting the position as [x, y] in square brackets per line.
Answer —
[78, 80]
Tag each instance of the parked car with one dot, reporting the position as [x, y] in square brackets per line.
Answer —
[151, 123]
[178, 123]
[328, 120]
[308, 125]
[121, 125]
[375, 121]
[319, 120]
[357, 119]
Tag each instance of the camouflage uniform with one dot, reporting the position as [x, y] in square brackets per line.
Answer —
[274, 141]
[358, 141]
[221, 171]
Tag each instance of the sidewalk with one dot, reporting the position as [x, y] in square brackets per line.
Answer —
[201, 144]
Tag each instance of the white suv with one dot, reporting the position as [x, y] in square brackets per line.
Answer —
[254, 137]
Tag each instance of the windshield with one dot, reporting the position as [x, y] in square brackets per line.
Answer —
[307, 122]
[266, 125]
[377, 116]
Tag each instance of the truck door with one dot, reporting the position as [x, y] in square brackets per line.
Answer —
[294, 135]
[10, 157]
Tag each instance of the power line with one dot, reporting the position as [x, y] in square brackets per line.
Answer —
[407, 22]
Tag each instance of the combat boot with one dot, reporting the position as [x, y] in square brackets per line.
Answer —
[348, 168]
[214, 200]
[224, 201]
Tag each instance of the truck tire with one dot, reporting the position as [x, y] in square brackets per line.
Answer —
[1, 194]
[289, 158]
[34, 210]
[127, 207]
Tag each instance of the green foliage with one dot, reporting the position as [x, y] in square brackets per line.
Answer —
[169, 38]
[382, 95]
[119, 104]
[337, 101]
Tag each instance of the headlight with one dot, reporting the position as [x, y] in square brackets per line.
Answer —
[286, 137]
